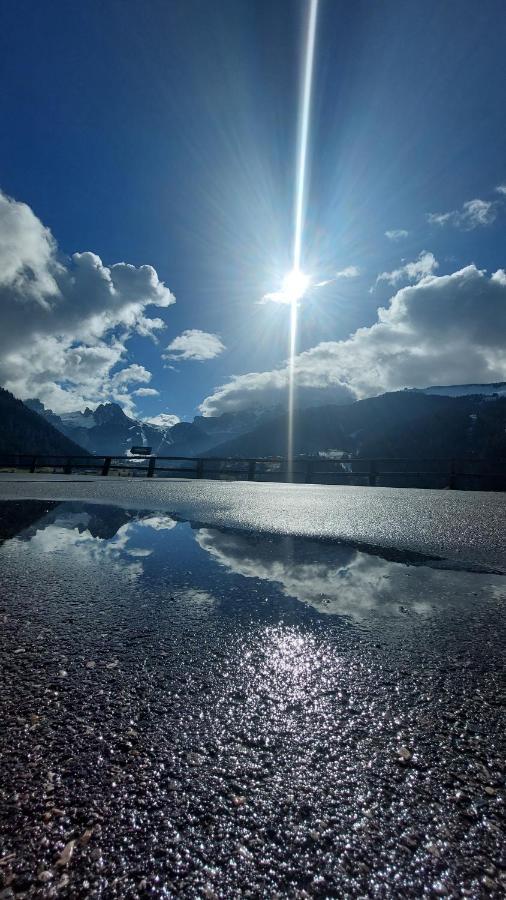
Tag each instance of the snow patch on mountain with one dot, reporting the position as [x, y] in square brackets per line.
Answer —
[497, 388]
[78, 419]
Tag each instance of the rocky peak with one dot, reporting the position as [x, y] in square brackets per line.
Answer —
[110, 413]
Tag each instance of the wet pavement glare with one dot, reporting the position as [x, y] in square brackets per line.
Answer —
[206, 712]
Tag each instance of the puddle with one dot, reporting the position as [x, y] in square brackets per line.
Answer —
[94, 551]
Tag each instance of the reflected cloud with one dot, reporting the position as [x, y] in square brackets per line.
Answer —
[157, 523]
[96, 536]
[331, 578]
[84, 548]
[199, 599]
[336, 579]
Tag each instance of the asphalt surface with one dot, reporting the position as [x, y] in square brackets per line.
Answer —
[196, 710]
[465, 526]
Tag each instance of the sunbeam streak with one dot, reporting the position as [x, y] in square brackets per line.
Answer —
[303, 136]
[296, 276]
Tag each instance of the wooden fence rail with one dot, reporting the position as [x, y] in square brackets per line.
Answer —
[448, 473]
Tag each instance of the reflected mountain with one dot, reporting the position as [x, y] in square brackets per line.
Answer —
[16, 516]
[88, 534]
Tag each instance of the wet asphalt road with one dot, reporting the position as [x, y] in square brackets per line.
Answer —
[465, 526]
[197, 711]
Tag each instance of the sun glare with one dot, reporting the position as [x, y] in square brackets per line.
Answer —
[295, 285]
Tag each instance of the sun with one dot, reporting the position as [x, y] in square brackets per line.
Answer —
[294, 286]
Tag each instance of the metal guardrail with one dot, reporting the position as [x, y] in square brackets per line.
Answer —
[450, 472]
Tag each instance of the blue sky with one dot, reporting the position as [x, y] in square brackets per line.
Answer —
[164, 133]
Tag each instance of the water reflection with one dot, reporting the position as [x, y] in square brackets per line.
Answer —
[89, 537]
[208, 567]
[336, 579]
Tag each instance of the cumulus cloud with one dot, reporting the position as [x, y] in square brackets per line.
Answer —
[501, 189]
[268, 389]
[396, 234]
[166, 420]
[64, 321]
[194, 344]
[426, 264]
[473, 214]
[444, 329]
[146, 392]
[348, 272]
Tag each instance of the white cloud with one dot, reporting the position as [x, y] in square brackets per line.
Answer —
[166, 420]
[64, 321]
[334, 581]
[194, 344]
[157, 523]
[426, 264]
[447, 329]
[474, 214]
[146, 392]
[267, 389]
[396, 234]
[501, 189]
[348, 272]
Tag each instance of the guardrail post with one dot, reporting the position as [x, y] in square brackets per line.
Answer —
[151, 466]
[373, 473]
[107, 465]
[200, 468]
[453, 476]
[67, 468]
[33, 465]
[309, 469]
[251, 469]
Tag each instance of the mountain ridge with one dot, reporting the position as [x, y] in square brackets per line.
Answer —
[391, 425]
[452, 420]
[25, 431]
[108, 430]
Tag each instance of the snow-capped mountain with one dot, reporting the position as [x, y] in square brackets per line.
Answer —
[442, 420]
[108, 430]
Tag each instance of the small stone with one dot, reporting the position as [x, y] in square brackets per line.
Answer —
[45, 876]
[238, 800]
[85, 837]
[410, 840]
[90, 664]
[405, 754]
[66, 855]
[195, 759]
[490, 791]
